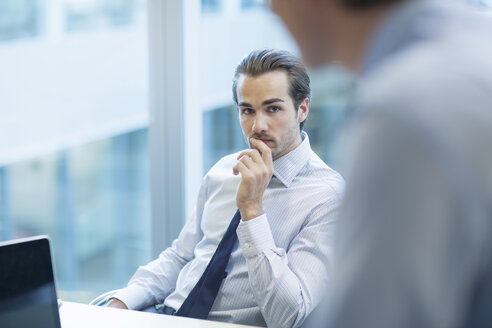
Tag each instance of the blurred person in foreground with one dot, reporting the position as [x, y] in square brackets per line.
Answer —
[275, 271]
[415, 246]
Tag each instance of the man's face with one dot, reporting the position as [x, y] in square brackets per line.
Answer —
[267, 112]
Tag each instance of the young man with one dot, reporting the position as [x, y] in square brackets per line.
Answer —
[416, 228]
[287, 200]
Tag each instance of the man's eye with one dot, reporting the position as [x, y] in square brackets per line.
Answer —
[273, 109]
[246, 111]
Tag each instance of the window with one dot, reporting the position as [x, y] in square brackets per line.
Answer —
[221, 134]
[211, 5]
[20, 19]
[94, 14]
[248, 4]
[93, 202]
[74, 155]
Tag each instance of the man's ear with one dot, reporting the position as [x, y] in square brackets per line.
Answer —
[303, 110]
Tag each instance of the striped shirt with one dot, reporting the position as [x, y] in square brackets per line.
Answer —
[278, 268]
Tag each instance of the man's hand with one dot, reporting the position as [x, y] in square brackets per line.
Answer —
[116, 303]
[256, 169]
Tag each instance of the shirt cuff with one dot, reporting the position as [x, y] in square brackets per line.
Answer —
[133, 296]
[255, 236]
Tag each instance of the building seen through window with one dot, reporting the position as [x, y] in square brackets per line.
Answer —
[74, 158]
[20, 19]
[211, 5]
[90, 14]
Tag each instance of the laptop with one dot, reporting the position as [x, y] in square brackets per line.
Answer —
[27, 286]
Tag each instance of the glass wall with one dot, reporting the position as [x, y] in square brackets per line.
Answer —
[74, 157]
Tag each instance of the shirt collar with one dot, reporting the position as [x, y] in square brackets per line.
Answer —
[288, 166]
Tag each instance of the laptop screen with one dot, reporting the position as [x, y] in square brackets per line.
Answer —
[27, 287]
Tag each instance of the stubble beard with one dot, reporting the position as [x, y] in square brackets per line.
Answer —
[285, 143]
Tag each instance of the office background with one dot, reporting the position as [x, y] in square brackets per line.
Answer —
[110, 113]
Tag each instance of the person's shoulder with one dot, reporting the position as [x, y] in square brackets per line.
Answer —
[229, 159]
[425, 91]
[225, 163]
[326, 178]
[431, 75]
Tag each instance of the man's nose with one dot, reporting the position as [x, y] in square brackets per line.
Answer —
[260, 124]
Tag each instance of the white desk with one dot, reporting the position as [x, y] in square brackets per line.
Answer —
[76, 315]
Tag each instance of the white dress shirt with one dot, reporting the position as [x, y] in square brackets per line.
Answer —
[279, 267]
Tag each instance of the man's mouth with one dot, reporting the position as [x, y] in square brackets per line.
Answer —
[265, 140]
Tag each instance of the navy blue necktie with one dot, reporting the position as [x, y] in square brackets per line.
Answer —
[201, 298]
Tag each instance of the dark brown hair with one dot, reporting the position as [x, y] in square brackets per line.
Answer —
[267, 60]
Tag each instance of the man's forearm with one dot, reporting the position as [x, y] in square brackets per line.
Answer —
[286, 287]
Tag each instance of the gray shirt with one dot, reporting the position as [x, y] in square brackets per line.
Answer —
[415, 241]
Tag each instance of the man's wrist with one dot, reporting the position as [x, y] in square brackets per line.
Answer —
[255, 236]
[251, 212]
